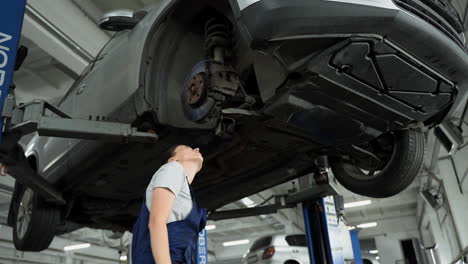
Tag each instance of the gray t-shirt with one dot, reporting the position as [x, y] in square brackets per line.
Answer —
[172, 177]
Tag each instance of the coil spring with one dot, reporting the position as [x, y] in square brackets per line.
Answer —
[217, 34]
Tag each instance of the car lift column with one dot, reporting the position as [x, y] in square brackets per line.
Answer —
[322, 231]
[356, 246]
[11, 22]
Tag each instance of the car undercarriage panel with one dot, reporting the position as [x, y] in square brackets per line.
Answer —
[358, 89]
[377, 69]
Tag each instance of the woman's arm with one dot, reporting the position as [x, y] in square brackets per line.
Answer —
[161, 205]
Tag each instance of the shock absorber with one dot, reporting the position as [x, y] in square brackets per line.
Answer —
[222, 77]
[217, 39]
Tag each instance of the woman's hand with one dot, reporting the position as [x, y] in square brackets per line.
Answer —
[161, 206]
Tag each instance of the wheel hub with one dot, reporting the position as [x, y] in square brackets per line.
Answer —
[24, 213]
[196, 102]
[368, 168]
[196, 90]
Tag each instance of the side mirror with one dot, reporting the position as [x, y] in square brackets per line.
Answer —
[118, 20]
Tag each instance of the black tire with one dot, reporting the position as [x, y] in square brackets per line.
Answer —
[43, 222]
[398, 173]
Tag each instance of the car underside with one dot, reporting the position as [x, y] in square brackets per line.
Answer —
[267, 90]
[293, 98]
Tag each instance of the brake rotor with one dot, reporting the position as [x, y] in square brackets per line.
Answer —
[196, 90]
[195, 100]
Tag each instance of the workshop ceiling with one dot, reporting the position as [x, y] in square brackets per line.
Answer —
[41, 76]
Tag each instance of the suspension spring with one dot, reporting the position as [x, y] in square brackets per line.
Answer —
[217, 39]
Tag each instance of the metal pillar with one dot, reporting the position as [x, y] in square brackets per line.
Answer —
[311, 223]
[322, 231]
[356, 246]
[11, 22]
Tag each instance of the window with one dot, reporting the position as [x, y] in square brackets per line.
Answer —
[261, 243]
[297, 240]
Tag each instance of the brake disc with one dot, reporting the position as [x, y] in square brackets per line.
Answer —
[195, 100]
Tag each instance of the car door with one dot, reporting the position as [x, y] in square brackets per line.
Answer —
[52, 151]
[110, 81]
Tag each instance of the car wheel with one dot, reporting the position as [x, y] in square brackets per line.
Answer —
[400, 155]
[34, 222]
[177, 70]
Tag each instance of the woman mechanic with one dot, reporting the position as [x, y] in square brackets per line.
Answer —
[167, 228]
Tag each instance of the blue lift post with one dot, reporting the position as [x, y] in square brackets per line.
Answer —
[356, 246]
[322, 231]
[11, 22]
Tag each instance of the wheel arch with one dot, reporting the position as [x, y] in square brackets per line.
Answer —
[292, 261]
[159, 34]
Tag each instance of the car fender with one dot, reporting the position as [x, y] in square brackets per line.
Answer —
[115, 75]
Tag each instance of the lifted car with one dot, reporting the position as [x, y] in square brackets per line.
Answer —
[269, 90]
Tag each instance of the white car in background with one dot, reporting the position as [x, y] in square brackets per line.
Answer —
[288, 249]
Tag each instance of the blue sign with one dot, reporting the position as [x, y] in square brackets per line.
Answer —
[11, 22]
[332, 230]
[202, 252]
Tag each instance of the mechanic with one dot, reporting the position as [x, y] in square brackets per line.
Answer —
[167, 229]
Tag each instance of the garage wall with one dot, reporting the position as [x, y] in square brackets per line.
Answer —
[388, 235]
[446, 225]
[404, 224]
[433, 232]
[457, 194]
[389, 246]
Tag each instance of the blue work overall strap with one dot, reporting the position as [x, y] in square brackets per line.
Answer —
[182, 235]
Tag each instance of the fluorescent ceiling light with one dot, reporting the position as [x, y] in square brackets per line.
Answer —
[375, 251]
[75, 247]
[351, 228]
[356, 204]
[123, 258]
[248, 202]
[210, 227]
[377, 258]
[236, 242]
[367, 225]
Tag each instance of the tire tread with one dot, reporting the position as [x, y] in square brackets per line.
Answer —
[405, 164]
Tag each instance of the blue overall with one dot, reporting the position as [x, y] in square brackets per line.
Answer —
[183, 236]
